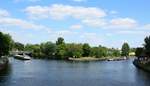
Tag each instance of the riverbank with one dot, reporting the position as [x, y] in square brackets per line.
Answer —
[97, 59]
[142, 66]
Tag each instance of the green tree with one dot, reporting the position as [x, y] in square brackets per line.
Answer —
[125, 49]
[29, 47]
[48, 49]
[59, 41]
[18, 46]
[5, 44]
[86, 49]
[61, 48]
[147, 45]
[61, 51]
[116, 53]
[96, 52]
[74, 50]
[36, 53]
[139, 51]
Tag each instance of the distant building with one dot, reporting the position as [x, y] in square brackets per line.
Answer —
[132, 54]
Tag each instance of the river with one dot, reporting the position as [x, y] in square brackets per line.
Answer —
[67, 73]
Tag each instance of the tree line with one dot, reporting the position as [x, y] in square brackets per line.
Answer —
[60, 49]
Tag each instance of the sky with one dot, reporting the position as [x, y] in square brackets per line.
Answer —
[97, 22]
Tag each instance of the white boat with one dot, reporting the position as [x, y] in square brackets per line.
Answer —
[22, 57]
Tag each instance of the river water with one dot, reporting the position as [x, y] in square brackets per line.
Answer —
[67, 73]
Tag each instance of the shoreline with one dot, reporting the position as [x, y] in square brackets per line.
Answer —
[145, 67]
[97, 59]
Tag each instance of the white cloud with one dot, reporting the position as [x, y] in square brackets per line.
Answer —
[4, 13]
[123, 23]
[90, 16]
[59, 11]
[76, 27]
[94, 22]
[21, 23]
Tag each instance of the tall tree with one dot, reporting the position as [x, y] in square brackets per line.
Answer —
[147, 46]
[125, 49]
[86, 49]
[59, 41]
[5, 44]
[61, 48]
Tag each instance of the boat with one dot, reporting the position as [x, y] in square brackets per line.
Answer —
[22, 57]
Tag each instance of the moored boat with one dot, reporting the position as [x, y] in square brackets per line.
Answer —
[22, 57]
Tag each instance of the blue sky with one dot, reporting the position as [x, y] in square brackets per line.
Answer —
[97, 22]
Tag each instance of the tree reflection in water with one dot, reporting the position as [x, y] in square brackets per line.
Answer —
[5, 73]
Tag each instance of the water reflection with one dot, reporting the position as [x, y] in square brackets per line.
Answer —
[142, 77]
[5, 75]
[67, 73]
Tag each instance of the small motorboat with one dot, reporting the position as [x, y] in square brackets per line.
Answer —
[22, 57]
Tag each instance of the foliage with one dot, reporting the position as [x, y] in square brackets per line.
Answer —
[132, 49]
[37, 51]
[86, 49]
[147, 45]
[74, 50]
[18, 46]
[125, 49]
[29, 47]
[96, 52]
[5, 44]
[115, 52]
[60, 41]
[60, 49]
[138, 51]
[100, 51]
[48, 49]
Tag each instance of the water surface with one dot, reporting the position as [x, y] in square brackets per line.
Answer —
[66, 73]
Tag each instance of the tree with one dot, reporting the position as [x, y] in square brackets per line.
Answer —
[18, 46]
[61, 48]
[139, 51]
[5, 44]
[97, 52]
[147, 46]
[125, 49]
[48, 49]
[115, 52]
[74, 50]
[29, 47]
[37, 51]
[86, 49]
[61, 51]
[59, 41]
